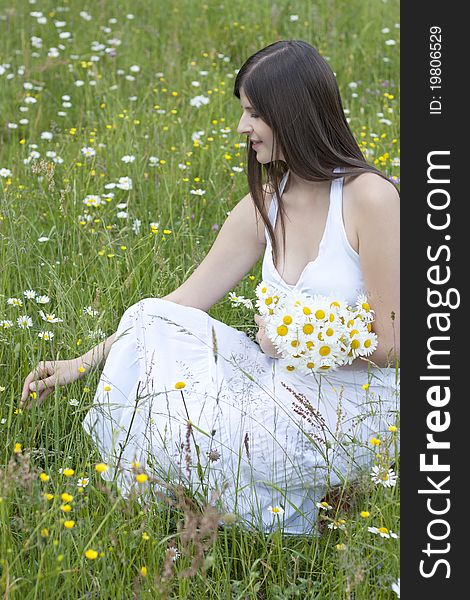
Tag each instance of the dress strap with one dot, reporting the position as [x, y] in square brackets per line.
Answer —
[272, 212]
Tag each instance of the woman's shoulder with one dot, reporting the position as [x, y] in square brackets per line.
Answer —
[371, 191]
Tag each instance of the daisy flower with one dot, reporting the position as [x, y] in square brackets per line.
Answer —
[46, 335]
[15, 302]
[125, 183]
[276, 510]
[199, 101]
[383, 532]
[24, 322]
[49, 317]
[383, 476]
[29, 294]
[83, 482]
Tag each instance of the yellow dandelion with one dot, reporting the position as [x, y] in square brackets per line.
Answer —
[145, 536]
[393, 428]
[179, 385]
[340, 547]
[45, 532]
[69, 524]
[91, 554]
[365, 386]
[141, 477]
[68, 472]
[18, 448]
[143, 571]
[81, 369]
[44, 477]
[107, 388]
[375, 442]
[66, 508]
[49, 496]
[66, 497]
[364, 514]
[101, 467]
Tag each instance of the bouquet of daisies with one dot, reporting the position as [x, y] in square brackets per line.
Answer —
[316, 334]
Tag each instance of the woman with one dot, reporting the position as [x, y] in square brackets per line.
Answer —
[191, 399]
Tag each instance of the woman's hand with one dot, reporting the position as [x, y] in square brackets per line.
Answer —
[264, 342]
[46, 376]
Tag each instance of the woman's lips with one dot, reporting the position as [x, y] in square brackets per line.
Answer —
[256, 144]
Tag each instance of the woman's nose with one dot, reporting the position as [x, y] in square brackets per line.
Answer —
[243, 127]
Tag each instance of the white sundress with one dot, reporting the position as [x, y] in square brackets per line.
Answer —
[251, 439]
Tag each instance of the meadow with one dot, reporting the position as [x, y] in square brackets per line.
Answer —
[119, 162]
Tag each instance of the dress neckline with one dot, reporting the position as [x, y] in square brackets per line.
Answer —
[320, 245]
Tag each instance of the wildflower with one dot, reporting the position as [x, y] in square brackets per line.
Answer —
[18, 448]
[66, 497]
[179, 385]
[396, 587]
[66, 508]
[68, 472]
[90, 311]
[364, 514]
[383, 476]
[24, 322]
[128, 158]
[337, 524]
[340, 547]
[49, 317]
[46, 335]
[101, 467]
[125, 183]
[324, 506]
[6, 324]
[5, 173]
[29, 294]
[42, 299]
[15, 302]
[73, 402]
[197, 192]
[91, 554]
[81, 369]
[143, 571]
[145, 536]
[141, 477]
[276, 510]
[83, 482]
[69, 524]
[365, 386]
[294, 18]
[199, 101]
[44, 477]
[375, 442]
[383, 532]
[48, 496]
[393, 428]
[45, 532]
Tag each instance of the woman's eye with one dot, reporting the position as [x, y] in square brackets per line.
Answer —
[254, 116]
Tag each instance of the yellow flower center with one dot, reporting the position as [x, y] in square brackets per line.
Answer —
[329, 332]
[366, 306]
[307, 311]
[367, 343]
[295, 343]
[308, 328]
[355, 344]
[282, 330]
[309, 345]
[310, 365]
[353, 332]
[287, 320]
[320, 314]
[290, 368]
[383, 530]
[324, 351]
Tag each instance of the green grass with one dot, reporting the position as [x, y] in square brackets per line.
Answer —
[94, 258]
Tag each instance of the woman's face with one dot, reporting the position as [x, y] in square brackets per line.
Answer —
[260, 134]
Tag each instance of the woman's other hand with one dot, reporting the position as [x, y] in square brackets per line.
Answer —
[46, 376]
[264, 342]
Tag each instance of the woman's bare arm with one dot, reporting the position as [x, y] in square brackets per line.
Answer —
[377, 214]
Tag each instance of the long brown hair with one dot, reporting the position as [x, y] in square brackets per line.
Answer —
[295, 92]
